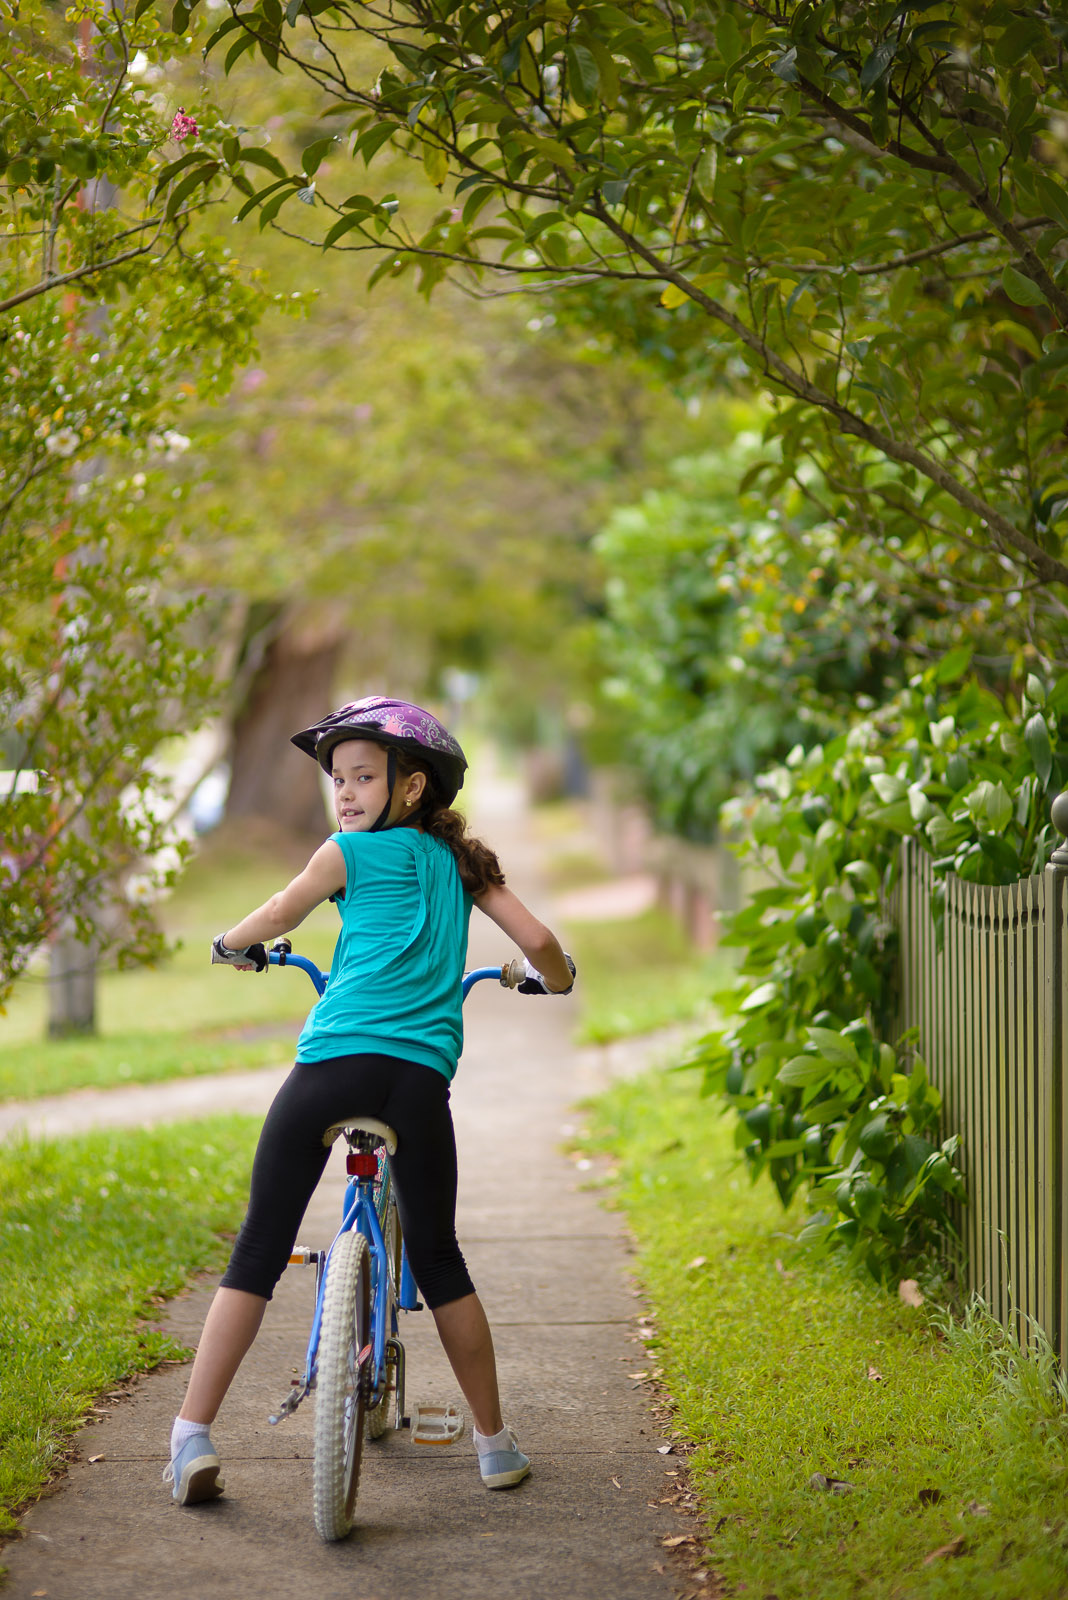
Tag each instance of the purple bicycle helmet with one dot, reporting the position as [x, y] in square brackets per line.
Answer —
[398, 725]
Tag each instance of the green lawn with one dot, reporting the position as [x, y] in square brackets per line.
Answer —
[779, 1368]
[638, 974]
[95, 1230]
[184, 1016]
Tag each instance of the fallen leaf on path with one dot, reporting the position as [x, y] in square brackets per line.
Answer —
[929, 1497]
[909, 1291]
[955, 1547]
[37, 1593]
[665, 1449]
[95, 1458]
[643, 1374]
[617, 1483]
[676, 1539]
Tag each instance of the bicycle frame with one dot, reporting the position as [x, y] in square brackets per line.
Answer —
[360, 1212]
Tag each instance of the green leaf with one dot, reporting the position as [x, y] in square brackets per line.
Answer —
[372, 139]
[1023, 291]
[990, 804]
[181, 191]
[583, 78]
[898, 817]
[877, 64]
[435, 163]
[257, 157]
[1022, 35]
[1053, 197]
[889, 787]
[728, 39]
[257, 199]
[831, 1044]
[315, 154]
[863, 872]
[355, 219]
[954, 664]
[236, 51]
[803, 1070]
[761, 996]
[1003, 856]
[1037, 740]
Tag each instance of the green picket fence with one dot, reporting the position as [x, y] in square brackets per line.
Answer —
[992, 1019]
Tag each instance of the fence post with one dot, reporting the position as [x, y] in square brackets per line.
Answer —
[1056, 1054]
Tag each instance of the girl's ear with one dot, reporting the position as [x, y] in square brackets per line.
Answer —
[416, 788]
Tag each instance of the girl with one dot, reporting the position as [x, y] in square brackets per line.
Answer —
[383, 1041]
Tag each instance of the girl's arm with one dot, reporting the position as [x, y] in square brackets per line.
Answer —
[323, 876]
[540, 946]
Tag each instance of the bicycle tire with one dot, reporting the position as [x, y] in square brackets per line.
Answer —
[341, 1387]
[379, 1405]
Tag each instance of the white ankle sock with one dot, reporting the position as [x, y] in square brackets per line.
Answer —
[486, 1443]
[183, 1431]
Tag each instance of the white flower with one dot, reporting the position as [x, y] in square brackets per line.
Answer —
[62, 443]
[174, 445]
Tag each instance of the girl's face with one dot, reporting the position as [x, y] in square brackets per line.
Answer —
[359, 768]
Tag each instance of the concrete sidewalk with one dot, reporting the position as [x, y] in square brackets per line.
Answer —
[551, 1266]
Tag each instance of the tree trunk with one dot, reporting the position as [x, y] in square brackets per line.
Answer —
[71, 986]
[290, 688]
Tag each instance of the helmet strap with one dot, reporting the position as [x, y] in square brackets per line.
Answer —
[391, 779]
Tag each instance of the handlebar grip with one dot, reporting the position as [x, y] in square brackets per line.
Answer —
[513, 972]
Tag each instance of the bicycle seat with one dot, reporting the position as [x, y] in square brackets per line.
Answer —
[381, 1130]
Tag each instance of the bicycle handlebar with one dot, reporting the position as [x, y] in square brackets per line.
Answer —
[508, 975]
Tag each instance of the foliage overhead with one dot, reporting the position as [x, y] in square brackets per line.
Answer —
[829, 1098]
[102, 350]
[863, 206]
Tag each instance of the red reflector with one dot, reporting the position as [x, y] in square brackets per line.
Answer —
[360, 1166]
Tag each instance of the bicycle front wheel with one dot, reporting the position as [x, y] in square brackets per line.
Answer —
[341, 1386]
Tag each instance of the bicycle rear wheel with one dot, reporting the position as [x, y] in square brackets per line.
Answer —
[341, 1386]
[380, 1402]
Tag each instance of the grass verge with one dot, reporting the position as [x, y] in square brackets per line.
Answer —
[638, 974]
[96, 1231]
[778, 1367]
[29, 1071]
[182, 1017]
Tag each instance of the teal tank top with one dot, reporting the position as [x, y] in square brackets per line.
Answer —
[395, 978]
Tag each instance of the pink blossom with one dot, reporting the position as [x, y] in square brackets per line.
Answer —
[183, 127]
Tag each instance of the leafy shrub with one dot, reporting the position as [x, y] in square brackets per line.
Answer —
[735, 627]
[828, 1098]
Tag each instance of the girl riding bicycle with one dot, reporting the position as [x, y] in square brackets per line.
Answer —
[383, 1042]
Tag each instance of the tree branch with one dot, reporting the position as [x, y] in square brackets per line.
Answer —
[1006, 533]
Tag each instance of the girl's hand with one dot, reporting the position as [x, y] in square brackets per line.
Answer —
[534, 983]
[252, 959]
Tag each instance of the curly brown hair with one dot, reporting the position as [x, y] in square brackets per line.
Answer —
[477, 864]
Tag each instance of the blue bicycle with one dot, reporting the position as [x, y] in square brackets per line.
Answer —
[355, 1358]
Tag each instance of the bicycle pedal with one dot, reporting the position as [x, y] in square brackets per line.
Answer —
[435, 1424]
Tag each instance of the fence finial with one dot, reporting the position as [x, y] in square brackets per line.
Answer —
[1059, 813]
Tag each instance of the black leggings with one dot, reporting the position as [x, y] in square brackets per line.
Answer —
[290, 1158]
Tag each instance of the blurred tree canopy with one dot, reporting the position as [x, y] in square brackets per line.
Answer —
[861, 208]
[102, 351]
[381, 492]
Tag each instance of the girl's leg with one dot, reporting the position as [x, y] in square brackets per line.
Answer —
[425, 1172]
[230, 1327]
[468, 1343]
